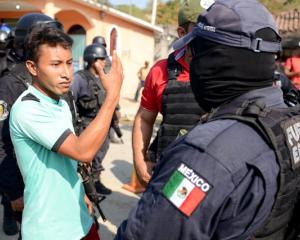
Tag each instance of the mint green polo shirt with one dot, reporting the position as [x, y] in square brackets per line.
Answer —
[54, 195]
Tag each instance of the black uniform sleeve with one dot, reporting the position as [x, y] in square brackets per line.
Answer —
[11, 181]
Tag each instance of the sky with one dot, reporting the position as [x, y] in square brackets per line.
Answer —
[139, 3]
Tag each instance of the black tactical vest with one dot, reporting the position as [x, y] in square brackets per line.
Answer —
[179, 107]
[8, 62]
[3, 65]
[89, 105]
[280, 128]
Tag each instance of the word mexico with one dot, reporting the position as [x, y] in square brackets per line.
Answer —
[186, 189]
[194, 178]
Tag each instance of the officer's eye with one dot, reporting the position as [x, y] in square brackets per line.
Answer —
[54, 64]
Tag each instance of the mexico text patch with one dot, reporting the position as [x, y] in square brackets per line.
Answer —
[186, 189]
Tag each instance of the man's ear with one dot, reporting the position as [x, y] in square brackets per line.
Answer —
[31, 66]
[181, 32]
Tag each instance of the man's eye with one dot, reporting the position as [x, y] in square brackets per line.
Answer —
[55, 64]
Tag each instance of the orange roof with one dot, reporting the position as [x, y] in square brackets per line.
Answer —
[288, 22]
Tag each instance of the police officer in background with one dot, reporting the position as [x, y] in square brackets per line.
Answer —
[101, 40]
[10, 226]
[291, 94]
[12, 85]
[9, 223]
[89, 95]
[4, 37]
[236, 175]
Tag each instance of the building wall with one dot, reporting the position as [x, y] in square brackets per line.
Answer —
[135, 44]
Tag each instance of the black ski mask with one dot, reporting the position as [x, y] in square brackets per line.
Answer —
[220, 73]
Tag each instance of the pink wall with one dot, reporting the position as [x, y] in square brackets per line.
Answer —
[67, 17]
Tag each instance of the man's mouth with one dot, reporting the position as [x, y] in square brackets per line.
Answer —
[65, 84]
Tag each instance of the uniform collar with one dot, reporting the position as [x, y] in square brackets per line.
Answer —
[42, 96]
[263, 97]
[271, 96]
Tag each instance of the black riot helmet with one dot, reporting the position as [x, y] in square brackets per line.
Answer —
[4, 35]
[99, 40]
[27, 22]
[93, 52]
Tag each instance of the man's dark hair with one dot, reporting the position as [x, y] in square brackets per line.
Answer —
[40, 35]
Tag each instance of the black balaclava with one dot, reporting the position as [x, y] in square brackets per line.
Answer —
[220, 73]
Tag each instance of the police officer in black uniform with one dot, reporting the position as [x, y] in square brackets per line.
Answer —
[9, 223]
[291, 94]
[89, 94]
[4, 37]
[236, 175]
[112, 135]
[101, 40]
[11, 86]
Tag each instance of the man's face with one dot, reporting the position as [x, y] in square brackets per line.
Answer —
[188, 54]
[53, 71]
[181, 32]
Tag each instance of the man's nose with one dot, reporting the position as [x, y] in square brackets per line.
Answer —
[66, 72]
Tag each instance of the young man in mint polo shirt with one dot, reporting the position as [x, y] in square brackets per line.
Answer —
[45, 145]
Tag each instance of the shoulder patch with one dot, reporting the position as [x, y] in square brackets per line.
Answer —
[30, 96]
[3, 110]
[186, 189]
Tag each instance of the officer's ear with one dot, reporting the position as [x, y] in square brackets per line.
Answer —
[181, 31]
[31, 66]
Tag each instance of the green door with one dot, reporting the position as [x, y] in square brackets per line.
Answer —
[77, 50]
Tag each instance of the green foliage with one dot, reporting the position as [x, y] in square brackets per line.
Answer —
[167, 12]
[277, 6]
[134, 11]
[105, 2]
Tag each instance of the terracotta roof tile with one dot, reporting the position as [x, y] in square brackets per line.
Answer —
[288, 22]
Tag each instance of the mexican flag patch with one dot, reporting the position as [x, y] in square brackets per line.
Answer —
[186, 189]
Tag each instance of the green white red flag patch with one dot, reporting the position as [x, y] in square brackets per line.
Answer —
[186, 189]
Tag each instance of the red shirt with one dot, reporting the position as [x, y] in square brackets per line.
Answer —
[156, 83]
[293, 64]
